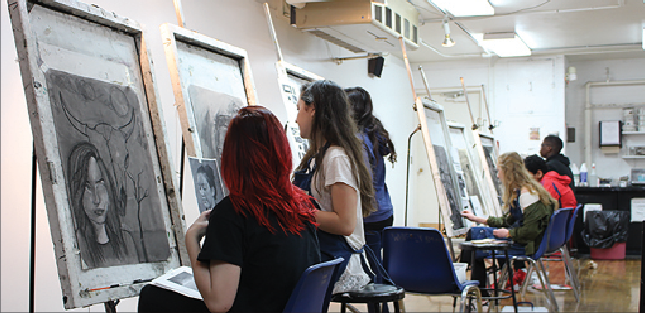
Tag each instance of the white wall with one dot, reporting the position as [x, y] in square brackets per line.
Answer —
[241, 23]
[607, 165]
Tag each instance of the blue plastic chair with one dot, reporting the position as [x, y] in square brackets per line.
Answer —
[417, 259]
[310, 292]
[554, 238]
[566, 255]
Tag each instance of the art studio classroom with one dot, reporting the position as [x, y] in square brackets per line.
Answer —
[322, 156]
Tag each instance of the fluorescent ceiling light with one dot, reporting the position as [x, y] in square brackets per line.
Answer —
[465, 7]
[643, 41]
[503, 44]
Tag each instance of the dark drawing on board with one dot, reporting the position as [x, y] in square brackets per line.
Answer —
[208, 190]
[492, 168]
[469, 177]
[447, 181]
[213, 111]
[108, 167]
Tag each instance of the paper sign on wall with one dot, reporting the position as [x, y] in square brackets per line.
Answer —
[638, 209]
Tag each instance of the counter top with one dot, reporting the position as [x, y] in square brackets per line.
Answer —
[612, 189]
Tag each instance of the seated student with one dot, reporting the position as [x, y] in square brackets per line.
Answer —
[259, 239]
[529, 210]
[557, 185]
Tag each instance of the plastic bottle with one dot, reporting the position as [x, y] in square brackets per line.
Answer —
[593, 177]
[583, 175]
[576, 175]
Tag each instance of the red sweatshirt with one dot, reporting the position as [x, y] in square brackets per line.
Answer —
[553, 180]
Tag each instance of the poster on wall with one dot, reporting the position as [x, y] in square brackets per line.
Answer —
[109, 187]
[290, 79]
[211, 81]
[436, 139]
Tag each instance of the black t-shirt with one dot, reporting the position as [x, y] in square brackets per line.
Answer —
[271, 264]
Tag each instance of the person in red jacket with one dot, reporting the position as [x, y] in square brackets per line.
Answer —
[556, 184]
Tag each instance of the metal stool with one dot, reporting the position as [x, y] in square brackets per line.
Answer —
[373, 295]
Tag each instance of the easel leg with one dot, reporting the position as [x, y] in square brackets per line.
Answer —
[181, 167]
[32, 257]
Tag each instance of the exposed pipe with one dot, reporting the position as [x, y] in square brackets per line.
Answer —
[407, 175]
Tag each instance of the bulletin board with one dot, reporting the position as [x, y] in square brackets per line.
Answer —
[103, 156]
[290, 79]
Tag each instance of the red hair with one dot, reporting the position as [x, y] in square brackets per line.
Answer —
[256, 168]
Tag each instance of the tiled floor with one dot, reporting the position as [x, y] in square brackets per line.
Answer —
[614, 286]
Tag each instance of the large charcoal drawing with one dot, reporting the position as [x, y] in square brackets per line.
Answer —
[492, 168]
[213, 111]
[208, 183]
[447, 181]
[469, 177]
[108, 168]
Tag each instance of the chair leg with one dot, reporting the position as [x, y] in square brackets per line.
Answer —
[527, 280]
[548, 291]
[399, 306]
[454, 304]
[503, 277]
[342, 307]
[570, 270]
[469, 292]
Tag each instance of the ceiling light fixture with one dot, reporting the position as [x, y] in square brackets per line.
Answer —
[465, 7]
[507, 44]
[447, 41]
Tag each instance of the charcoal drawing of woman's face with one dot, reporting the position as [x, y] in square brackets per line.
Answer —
[95, 200]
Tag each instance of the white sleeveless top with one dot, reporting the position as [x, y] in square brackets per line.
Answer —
[337, 169]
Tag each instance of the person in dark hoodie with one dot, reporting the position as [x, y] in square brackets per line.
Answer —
[556, 161]
[557, 185]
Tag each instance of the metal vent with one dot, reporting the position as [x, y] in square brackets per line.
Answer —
[388, 18]
[378, 13]
[337, 41]
[398, 23]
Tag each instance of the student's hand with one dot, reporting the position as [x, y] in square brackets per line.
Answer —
[198, 229]
[500, 232]
[468, 215]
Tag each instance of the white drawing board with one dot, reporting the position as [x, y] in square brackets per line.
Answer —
[463, 154]
[490, 154]
[436, 139]
[290, 79]
[211, 81]
[108, 182]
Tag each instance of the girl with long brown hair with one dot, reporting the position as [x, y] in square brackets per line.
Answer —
[334, 171]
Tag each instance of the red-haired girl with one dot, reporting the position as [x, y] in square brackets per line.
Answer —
[259, 239]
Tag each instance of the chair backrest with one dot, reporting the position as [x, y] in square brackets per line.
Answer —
[309, 294]
[417, 260]
[572, 222]
[555, 234]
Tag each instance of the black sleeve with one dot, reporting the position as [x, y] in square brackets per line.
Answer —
[224, 238]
